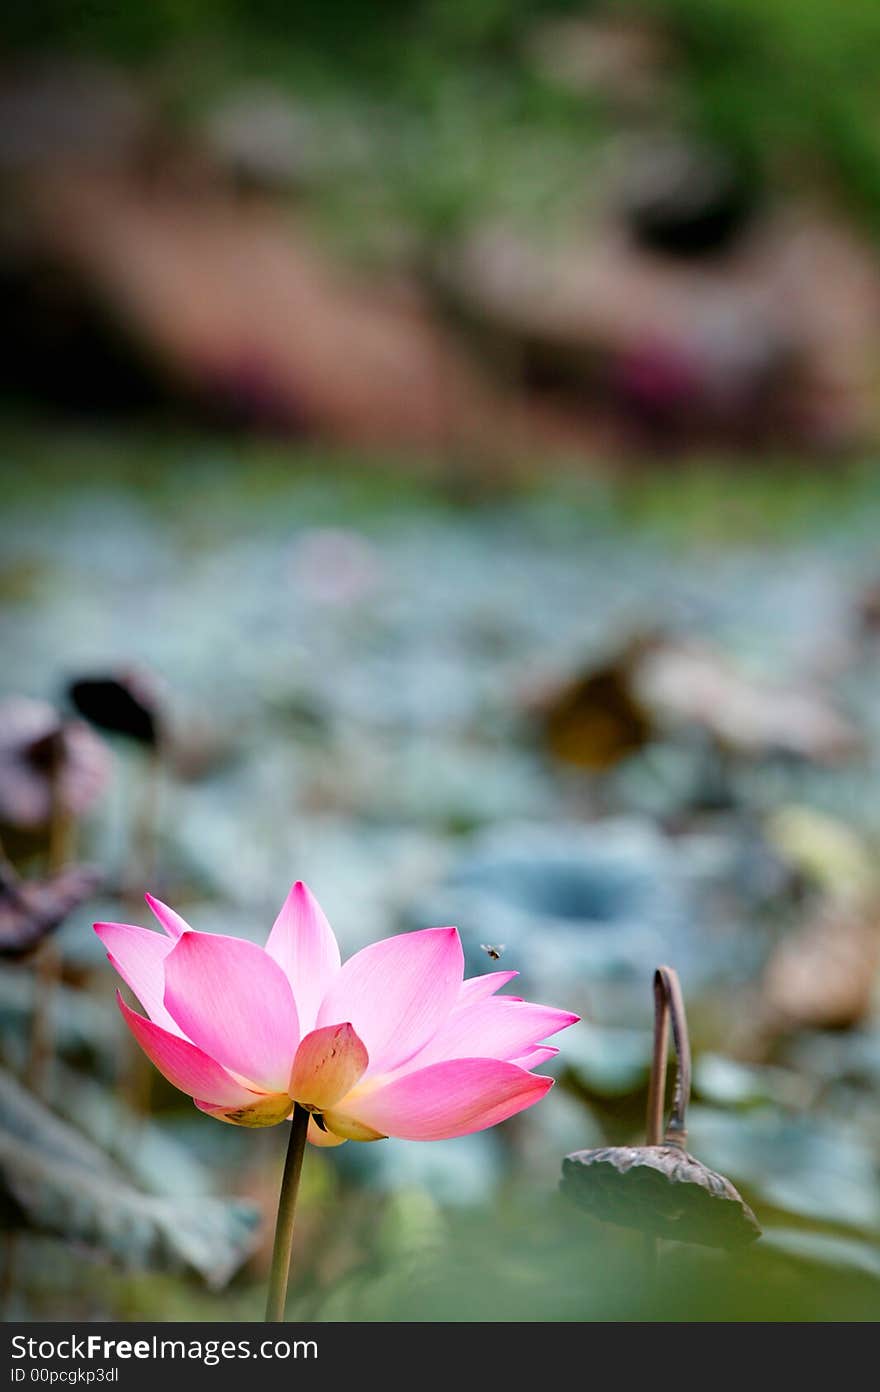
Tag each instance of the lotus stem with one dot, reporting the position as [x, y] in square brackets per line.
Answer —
[669, 1009]
[135, 1082]
[143, 855]
[47, 965]
[281, 1251]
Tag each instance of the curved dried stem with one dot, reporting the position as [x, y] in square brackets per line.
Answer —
[669, 1009]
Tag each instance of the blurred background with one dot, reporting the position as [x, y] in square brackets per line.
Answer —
[438, 449]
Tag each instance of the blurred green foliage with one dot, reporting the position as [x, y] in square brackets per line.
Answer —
[707, 500]
[790, 85]
[527, 1257]
[452, 98]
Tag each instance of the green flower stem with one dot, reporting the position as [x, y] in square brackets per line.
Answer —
[280, 1273]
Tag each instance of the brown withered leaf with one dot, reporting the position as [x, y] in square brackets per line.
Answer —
[822, 975]
[652, 685]
[597, 719]
[661, 1190]
[32, 909]
[693, 686]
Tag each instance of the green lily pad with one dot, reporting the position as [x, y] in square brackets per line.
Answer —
[53, 1180]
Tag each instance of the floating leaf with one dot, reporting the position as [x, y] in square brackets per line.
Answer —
[805, 1166]
[826, 851]
[53, 1180]
[827, 1251]
[149, 1153]
[81, 1023]
[729, 1083]
[661, 1190]
[25, 1119]
[585, 909]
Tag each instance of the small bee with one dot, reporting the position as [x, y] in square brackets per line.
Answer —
[493, 951]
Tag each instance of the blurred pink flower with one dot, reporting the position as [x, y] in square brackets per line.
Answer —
[393, 1043]
[38, 746]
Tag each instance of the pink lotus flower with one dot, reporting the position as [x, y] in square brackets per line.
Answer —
[393, 1043]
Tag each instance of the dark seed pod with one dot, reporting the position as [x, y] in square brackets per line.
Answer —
[32, 909]
[660, 1190]
[684, 200]
[124, 703]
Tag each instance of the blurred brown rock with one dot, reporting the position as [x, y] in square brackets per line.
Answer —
[241, 311]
